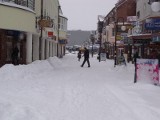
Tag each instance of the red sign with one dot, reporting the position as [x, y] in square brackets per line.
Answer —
[50, 34]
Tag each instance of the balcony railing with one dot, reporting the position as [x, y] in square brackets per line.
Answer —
[26, 3]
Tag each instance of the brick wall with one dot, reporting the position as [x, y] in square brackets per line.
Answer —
[125, 9]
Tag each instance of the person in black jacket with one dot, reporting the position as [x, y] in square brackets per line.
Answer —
[86, 57]
[15, 55]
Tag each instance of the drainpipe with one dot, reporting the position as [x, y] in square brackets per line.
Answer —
[41, 34]
[58, 32]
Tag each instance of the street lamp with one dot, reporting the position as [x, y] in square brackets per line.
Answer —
[123, 28]
[100, 27]
[41, 34]
[155, 5]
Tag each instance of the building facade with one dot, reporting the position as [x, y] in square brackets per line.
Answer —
[32, 26]
[113, 35]
[145, 37]
[141, 18]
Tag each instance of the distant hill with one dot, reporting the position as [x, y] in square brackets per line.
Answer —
[77, 37]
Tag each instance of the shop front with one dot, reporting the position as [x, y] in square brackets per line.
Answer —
[8, 40]
[139, 43]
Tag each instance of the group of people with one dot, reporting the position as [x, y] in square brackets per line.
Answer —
[85, 55]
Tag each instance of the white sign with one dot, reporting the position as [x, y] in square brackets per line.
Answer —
[103, 56]
[131, 18]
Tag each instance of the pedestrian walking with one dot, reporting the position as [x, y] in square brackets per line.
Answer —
[79, 55]
[86, 57]
[15, 55]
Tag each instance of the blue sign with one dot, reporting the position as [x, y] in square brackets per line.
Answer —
[152, 24]
[62, 41]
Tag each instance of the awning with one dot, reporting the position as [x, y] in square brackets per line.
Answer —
[140, 36]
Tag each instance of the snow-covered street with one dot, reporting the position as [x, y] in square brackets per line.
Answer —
[59, 89]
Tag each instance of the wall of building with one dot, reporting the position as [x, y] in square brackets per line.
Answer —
[50, 8]
[126, 8]
[15, 18]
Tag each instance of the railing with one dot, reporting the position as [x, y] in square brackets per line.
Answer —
[26, 3]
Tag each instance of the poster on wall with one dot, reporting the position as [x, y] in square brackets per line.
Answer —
[147, 70]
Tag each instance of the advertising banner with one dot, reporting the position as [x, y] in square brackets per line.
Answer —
[147, 70]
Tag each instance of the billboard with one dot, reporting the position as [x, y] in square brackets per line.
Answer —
[147, 70]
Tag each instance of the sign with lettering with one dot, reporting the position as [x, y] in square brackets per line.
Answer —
[147, 70]
[63, 41]
[50, 34]
[152, 24]
[45, 23]
[103, 57]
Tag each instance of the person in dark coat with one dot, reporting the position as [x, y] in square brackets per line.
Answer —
[86, 57]
[15, 55]
[79, 55]
[135, 57]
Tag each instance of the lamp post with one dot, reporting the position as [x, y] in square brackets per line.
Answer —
[116, 21]
[41, 34]
[100, 27]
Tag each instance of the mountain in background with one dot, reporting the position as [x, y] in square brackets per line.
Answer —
[78, 37]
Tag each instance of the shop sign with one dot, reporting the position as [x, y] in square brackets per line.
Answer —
[50, 34]
[141, 41]
[12, 33]
[156, 38]
[45, 23]
[131, 18]
[103, 57]
[119, 37]
[62, 41]
[152, 24]
[148, 70]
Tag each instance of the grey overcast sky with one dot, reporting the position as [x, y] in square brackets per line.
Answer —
[82, 14]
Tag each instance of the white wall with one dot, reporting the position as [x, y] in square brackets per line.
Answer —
[14, 18]
[35, 47]
[145, 10]
[29, 48]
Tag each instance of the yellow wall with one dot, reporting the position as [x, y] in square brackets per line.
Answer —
[17, 19]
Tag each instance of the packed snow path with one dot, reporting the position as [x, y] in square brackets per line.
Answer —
[59, 89]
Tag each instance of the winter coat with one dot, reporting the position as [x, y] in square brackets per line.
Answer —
[86, 54]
